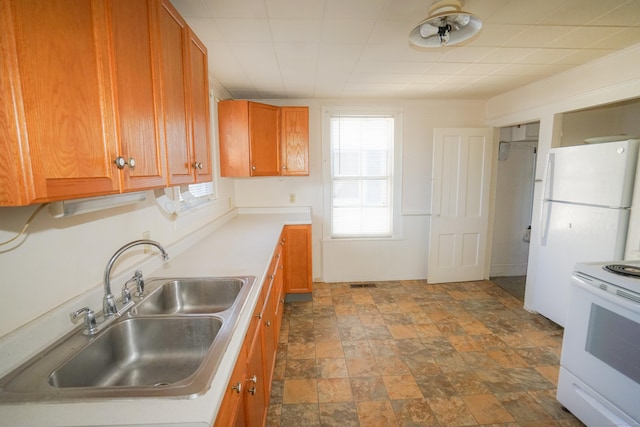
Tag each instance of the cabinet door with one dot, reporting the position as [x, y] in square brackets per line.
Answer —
[231, 406]
[56, 96]
[297, 259]
[294, 136]
[174, 35]
[263, 140]
[233, 136]
[135, 71]
[254, 397]
[269, 340]
[200, 109]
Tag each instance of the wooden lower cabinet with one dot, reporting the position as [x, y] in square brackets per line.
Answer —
[246, 399]
[297, 259]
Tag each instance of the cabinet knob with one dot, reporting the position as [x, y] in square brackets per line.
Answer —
[197, 165]
[253, 168]
[259, 316]
[121, 162]
[269, 323]
[254, 379]
[237, 387]
[252, 390]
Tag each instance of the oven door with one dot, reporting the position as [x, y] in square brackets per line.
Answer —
[601, 345]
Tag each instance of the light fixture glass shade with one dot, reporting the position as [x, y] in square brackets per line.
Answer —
[446, 25]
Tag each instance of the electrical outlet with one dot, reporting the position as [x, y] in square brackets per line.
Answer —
[292, 197]
[146, 235]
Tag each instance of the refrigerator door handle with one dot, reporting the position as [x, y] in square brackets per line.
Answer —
[545, 217]
[548, 185]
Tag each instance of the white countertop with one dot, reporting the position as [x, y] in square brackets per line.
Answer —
[242, 246]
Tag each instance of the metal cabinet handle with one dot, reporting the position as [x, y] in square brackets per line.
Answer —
[237, 387]
[253, 168]
[121, 162]
[254, 379]
[252, 390]
[268, 322]
[197, 165]
[259, 316]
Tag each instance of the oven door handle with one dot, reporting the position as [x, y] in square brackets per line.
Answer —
[617, 299]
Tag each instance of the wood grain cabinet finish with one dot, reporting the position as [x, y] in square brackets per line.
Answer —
[134, 35]
[262, 140]
[185, 97]
[86, 107]
[248, 408]
[248, 135]
[294, 137]
[57, 128]
[297, 259]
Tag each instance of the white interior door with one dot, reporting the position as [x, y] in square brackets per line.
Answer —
[460, 186]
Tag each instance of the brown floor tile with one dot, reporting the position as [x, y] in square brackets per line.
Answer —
[374, 414]
[399, 332]
[332, 368]
[401, 387]
[300, 391]
[411, 354]
[362, 367]
[451, 411]
[334, 390]
[486, 409]
[414, 412]
[339, 415]
[368, 389]
[329, 350]
[392, 366]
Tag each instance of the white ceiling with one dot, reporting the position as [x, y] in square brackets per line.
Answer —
[270, 49]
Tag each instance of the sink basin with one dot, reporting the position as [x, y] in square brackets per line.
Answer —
[169, 344]
[140, 352]
[192, 296]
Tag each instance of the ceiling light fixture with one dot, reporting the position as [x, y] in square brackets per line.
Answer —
[446, 25]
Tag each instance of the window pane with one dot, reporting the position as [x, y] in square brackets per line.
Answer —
[361, 157]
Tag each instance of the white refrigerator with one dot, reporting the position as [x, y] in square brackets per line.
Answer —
[585, 214]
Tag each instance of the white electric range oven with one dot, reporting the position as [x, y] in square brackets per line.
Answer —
[600, 365]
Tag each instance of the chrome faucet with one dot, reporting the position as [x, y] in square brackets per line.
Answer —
[109, 308]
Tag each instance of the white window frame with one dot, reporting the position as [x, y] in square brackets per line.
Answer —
[396, 172]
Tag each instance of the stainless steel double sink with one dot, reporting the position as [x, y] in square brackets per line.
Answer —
[168, 344]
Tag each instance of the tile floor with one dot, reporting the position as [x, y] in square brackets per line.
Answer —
[406, 353]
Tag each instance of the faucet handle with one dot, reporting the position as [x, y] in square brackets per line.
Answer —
[139, 281]
[90, 323]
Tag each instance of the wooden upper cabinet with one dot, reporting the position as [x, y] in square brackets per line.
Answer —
[248, 135]
[137, 79]
[185, 99]
[264, 155]
[56, 99]
[90, 83]
[200, 117]
[294, 136]
[262, 140]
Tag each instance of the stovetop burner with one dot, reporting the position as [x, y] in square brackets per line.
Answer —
[624, 270]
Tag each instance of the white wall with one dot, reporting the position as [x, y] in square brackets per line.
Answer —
[611, 79]
[403, 258]
[513, 202]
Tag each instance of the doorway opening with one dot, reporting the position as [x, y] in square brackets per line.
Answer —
[517, 156]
